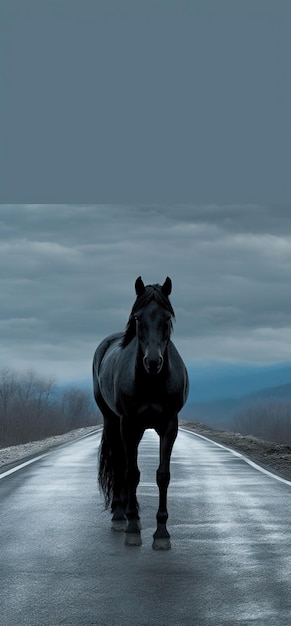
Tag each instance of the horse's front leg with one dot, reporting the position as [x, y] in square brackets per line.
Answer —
[167, 439]
[131, 438]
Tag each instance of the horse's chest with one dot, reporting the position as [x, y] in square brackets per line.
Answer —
[151, 397]
[150, 408]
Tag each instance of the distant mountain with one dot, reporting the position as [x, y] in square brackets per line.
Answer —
[220, 412]
[224, 380]
[282, 392]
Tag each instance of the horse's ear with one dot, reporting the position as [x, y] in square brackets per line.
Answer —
[167, 287]
[139, 286]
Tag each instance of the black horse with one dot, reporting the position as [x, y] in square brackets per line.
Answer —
[140, 382]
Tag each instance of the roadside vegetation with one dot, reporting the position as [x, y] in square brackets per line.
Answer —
[270, 420]
[33, 407]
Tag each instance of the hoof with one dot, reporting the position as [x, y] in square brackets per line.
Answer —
[118, 525]
[162, 543]
[132, 539]
[118, 520]
[133, 526]
[132, 533]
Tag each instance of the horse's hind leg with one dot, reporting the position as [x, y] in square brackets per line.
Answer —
[118, 503]
[131, 438]
[167, 439]
[112, 467]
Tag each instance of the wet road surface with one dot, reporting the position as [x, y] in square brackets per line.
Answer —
[230, 563]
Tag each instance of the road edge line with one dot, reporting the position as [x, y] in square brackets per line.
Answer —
[18, 467]
[240, 455]
[41, 456]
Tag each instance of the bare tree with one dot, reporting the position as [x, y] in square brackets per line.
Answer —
[77, 407]
[33, 407]
[8, 391]
[270, 420]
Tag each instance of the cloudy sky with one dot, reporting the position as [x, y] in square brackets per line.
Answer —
[144, 137]
[68, 273]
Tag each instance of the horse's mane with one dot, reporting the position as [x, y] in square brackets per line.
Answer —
[151, 292]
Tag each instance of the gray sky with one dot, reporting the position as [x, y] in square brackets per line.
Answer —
[145, 101]
[68, 271]
[149, 137]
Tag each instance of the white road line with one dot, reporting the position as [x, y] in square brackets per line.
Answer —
[36, 458]
[241, 456]
[18, 467]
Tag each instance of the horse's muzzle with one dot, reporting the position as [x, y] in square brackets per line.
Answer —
[151, 366]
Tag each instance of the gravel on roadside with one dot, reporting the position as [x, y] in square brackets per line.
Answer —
[13, 454]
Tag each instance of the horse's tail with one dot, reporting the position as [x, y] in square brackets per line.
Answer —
[105, 473]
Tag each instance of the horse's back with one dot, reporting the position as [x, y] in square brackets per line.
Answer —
[103, 347]
[100, 352]
[178, 370]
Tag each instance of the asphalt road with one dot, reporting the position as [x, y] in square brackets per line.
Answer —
[230, 561]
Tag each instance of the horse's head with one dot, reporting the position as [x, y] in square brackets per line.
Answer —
[152, 312]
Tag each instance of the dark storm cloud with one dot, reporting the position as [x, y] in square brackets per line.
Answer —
[81, 223]
[68, 272]
[252, 219]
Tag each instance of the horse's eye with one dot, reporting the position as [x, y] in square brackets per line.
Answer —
[166, 326]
